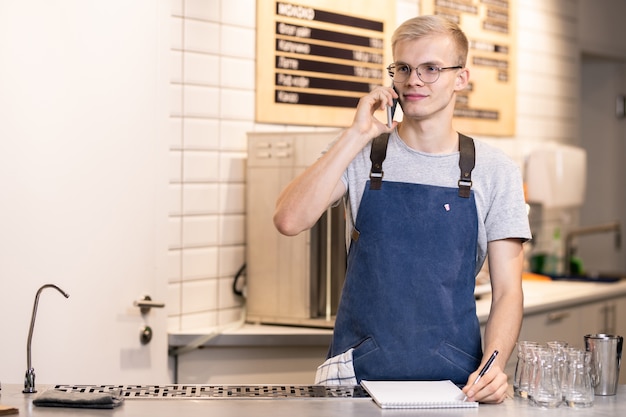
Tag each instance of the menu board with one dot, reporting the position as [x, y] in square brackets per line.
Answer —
[316, 58]
[487, 106]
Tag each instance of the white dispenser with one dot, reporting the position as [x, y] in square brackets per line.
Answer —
[556, 175]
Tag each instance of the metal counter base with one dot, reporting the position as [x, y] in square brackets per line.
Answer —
[11, 395]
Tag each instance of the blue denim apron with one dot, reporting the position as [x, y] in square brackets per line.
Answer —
[407, 306]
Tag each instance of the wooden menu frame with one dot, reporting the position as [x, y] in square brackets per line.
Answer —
[316, 58]
[487, 107]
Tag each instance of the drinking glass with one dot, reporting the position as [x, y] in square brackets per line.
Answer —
[579, 391]
[546, 387]
[523, 368]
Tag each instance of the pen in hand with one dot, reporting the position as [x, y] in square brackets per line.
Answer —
[484, 369]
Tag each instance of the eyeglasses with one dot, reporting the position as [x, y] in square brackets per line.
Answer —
[428, 73]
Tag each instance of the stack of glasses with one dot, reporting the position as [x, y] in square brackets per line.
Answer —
[553, 374]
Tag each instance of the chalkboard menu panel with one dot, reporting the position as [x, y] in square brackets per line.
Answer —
[316, 58]
[487, 107]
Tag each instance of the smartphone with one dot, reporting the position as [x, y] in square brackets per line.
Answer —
[391, 110]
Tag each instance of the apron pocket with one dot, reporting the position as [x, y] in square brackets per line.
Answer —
[458, 357]
[364, 347]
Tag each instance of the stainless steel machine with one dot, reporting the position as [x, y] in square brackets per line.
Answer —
[290, 280]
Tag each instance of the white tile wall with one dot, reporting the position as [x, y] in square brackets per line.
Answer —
[212, 108]
[548, 70]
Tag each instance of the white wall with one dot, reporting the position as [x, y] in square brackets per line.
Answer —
[83, 185]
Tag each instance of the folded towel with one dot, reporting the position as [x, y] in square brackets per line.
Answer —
[58, 398]
[338, 370]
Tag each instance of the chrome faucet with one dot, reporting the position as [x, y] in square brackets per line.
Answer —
[589, 230]
[29, 379]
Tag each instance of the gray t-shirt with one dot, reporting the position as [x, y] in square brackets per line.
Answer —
[496, 182]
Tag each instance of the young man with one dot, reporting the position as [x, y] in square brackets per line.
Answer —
[419, 236]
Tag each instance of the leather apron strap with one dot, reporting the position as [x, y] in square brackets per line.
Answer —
[467, 161]
[378, 154]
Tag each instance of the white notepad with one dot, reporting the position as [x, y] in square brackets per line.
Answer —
[417, 394]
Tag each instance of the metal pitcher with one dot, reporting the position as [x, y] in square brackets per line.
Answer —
[605, 361]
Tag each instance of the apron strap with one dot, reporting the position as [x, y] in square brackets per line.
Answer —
[377, 156]
[467, 160]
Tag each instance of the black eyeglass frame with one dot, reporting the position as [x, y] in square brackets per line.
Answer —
[391, 72]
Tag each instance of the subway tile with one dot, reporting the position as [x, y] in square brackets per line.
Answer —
[200, 231]
[238, 42]
[200, 199]
[226, 296]
[176, 33]
[232, 198]
[174, 261]
[176, 7]
[203, 69]
[201, 166]
[545, 106]
[173, 322]
[202, 320]
[173, 303]
[230, 316]
[234, 135]
[176, 67]
[237, 104]
[199, 296]
[554, 87]
[174, 232]
[200, 263]
[175, 202]
[239, 13]
[202, 134]
[201, 36]
[175, 165]
[176, 100]
[269, 127]
[231, 259]
[405, 9]
[199, 101]
[176, 133]
[232, 166]
[203, 9]
[238, 73]
[232, 229]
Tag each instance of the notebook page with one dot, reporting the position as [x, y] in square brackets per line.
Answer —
[417, 394]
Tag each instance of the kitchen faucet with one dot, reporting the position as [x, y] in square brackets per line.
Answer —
[29, 379]
[588, 230]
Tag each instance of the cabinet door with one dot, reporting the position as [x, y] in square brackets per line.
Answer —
[562, 324]
[620, 316]
[597, 318]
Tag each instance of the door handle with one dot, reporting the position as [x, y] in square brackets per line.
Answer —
[558, 316]
[146, 303]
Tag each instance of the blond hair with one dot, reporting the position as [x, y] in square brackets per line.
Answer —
[429, 25]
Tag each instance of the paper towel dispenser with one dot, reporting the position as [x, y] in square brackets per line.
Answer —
[556, 175]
